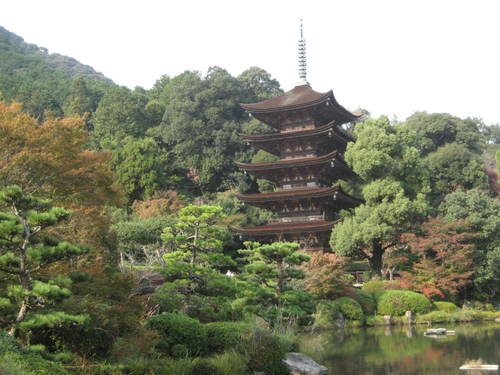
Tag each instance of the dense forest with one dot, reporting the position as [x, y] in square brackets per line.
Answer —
[116, 254]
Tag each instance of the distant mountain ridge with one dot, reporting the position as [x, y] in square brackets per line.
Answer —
[41, 80]
[72, 67]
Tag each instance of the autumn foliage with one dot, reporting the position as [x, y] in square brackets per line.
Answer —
[326, 275]
[50, 160]
[444, 262]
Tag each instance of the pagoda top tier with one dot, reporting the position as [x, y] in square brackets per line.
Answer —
[301, 103]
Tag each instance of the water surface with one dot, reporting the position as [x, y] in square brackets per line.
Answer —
[403, 350]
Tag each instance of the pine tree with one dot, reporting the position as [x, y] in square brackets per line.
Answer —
[26, 252]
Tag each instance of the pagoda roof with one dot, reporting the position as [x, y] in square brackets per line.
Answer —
[293, 227]
[269, 142]
[296, 162]
[298, 194]
[272, 137]
[300, 97]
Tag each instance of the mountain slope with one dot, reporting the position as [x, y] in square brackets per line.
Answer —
[40, 80]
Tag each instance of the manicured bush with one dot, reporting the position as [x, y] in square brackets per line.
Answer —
[225, 335]
[178, 329]
[446, 306]
[366, 300]
[397, 302]
[350, 308]
[375, 286]
[265, 353]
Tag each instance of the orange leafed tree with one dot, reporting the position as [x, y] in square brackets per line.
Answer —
[51, 160]
[326, 275]
[444, 257]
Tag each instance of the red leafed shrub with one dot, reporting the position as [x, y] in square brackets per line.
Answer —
[444, 259]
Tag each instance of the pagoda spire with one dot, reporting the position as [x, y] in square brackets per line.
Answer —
[302, 58]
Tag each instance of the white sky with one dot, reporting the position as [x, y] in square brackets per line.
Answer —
[391, 57]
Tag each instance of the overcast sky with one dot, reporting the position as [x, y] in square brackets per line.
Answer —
[389, 57]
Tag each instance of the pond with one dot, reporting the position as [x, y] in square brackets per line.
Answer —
[403, 350]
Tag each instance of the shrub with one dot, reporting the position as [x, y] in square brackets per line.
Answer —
[327, 315]
[178, 329]
[380, 285]
[366, 300]
[203, 366]
[229, 363]
[350, 308]
[265, 353]
[446, 306]
[225, 335]
[16, 360]
[397, 302]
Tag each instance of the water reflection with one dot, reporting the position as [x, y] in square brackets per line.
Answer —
[402, 350]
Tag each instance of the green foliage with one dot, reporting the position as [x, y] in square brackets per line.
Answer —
[452, 166]
[25, 248]
[457, 316]
[229, 363]
[265, 353]
[269, 273]
[375, 286]
[327, 315]
[395, 193]
[223, 336]
[141, 168]
[350, 308]
[483, 212]
[179, 329]
[365, 299]
[120, 114]
[437, 129]
[16, 360]
[397, 302]
[41, 81]
[449, 307]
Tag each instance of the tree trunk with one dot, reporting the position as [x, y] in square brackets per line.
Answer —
[376, 258]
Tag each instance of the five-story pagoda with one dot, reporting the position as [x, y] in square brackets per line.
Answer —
[310, 143]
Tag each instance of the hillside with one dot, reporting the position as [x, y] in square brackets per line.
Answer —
[40, 80]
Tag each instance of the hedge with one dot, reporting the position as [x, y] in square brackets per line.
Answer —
[446, 306]
[327, 314]
[225, 335]
[366, 300]
[180, 334]
[397, 302]
[350, 308]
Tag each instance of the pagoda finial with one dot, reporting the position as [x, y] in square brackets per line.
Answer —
[302, 57]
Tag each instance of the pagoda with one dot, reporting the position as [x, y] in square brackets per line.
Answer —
[310, 142]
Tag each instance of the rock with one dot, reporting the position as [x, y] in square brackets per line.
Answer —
[387, 320]
[409, 316]
[435, 331]
[497, 320]
[300, 364]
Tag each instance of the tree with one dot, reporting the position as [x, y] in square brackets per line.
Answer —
[327, 276]
[51, 160]
[395, 192]
[141, 168]
[269, 273]
[437, 129]
[444, 262]
[26, 252]
[452, 166]
[483, 213]
[120, 114]
[194, 262]
[258, 85]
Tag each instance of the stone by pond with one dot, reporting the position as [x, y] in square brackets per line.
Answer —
[402, 350]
